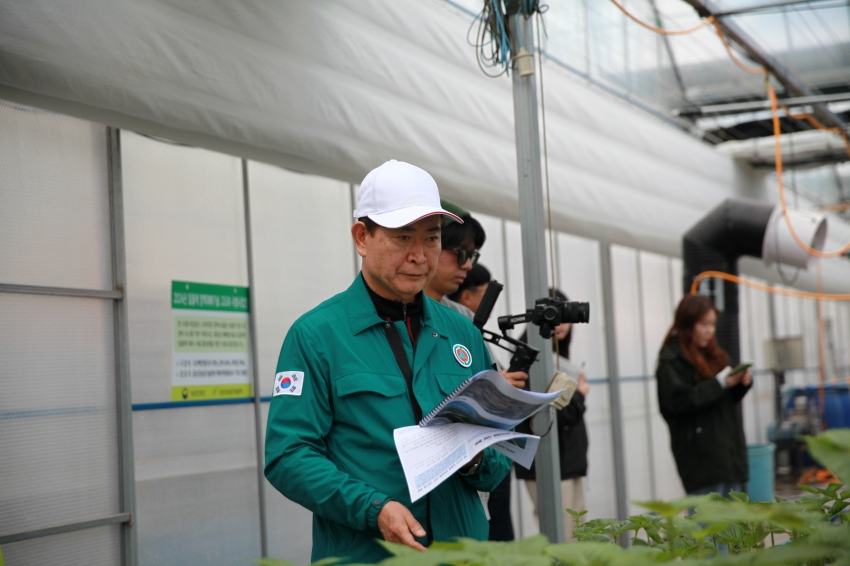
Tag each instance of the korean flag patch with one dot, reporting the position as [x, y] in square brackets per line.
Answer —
[288, 383]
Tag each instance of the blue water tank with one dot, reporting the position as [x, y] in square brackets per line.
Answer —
[760, 460]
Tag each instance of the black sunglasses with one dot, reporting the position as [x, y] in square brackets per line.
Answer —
[464, 255]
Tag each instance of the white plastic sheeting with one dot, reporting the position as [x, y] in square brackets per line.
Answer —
[336, 88]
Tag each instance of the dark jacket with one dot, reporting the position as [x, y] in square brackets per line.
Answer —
[572, 441]
[705, 420]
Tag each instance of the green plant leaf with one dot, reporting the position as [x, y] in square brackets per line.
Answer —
[434, 558]
[838, 507]
[739, 496]
[672, 508]
[832, 449]
[586, 553]
[576, 514]
[395, 548]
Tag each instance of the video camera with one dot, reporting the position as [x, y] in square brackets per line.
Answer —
[548, 313]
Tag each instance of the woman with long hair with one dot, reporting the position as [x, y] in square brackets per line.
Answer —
[701, 402]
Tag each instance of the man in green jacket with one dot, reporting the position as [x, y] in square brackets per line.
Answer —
[366, 362]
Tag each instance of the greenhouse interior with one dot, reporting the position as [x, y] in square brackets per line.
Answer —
[196, 198]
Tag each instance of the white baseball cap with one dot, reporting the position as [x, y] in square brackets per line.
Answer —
[397, 194]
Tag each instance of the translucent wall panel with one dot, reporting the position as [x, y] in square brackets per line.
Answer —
[599, 483]
[627, 311]
[197, 493]
[303, 255]
[58, 446]
[661, 283]
[580, 278]
[657, 294]
[493, 257]
[303, 252]
[54, 217]
[185, 222]
[290, 525]
[755, 330]
[668, 485]
[196, 485]
[841, 329]
[515, 278]
[92, 547]
[634, 394]
[658, 305]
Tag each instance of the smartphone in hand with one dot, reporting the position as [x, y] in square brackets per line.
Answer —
[741, 368]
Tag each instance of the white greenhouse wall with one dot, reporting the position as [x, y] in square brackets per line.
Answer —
[196, 467]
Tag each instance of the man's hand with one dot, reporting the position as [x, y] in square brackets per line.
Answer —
[583, 386]
[515, 378]
[471, 463]
[747, 380]
[397, 524]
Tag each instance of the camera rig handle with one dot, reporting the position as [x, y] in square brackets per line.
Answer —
[523, 354]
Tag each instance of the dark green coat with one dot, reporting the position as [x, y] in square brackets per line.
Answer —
[705, 420]
[331, 449]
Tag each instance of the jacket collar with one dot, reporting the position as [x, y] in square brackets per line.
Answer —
[362, 313]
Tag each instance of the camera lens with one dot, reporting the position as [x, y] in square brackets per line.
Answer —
[575, 312]
[550, 314]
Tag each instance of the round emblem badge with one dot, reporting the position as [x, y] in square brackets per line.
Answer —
[462, 355]
[285, 382]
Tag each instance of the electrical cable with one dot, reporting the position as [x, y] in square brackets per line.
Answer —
[776, 129]
[660, 30]
[492, 42]
[766, 288]
[548, 191]
[778, 156]
[745, 68]
[548, 208]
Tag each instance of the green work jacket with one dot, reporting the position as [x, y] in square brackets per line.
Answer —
[331, 448]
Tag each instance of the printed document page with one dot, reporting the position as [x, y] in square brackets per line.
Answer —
[489, 400]
[429, 455]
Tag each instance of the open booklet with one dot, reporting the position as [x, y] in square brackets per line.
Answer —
[478, 414]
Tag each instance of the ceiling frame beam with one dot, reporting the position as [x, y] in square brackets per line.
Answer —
[792, 84]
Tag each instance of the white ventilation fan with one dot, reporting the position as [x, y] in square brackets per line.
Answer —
[779, 245]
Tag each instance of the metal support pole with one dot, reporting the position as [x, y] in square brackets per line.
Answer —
[778, 374]
[124, 403]
[647, 404]
[614, 386]
[547, 463]
[258, 407]
[352, 200]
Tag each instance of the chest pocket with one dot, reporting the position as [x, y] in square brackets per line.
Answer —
[377, 384]
[370, 402]
[448, 382]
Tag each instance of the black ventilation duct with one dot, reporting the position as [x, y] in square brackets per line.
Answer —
[737, 228]
[733, 229]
